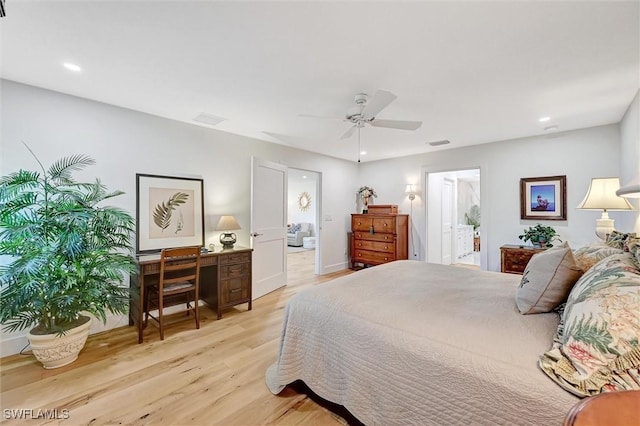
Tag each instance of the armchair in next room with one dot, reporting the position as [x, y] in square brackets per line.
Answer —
[297, 231]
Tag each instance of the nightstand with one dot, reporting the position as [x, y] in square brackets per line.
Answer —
[514, 258]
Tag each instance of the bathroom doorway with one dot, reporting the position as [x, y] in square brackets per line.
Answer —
[454, 234]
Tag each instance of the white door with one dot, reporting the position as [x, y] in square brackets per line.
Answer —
[268, 226]
[447, 196]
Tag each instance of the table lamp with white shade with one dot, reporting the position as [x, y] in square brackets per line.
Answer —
[602, 196]
[226, 224]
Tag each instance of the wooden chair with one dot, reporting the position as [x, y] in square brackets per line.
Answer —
[179, 275]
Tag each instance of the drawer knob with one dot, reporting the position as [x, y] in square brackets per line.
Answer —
[384, 224]
[386, 258]
[385, 247]
[235, 290]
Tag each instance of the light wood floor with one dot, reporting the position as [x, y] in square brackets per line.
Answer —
[211, 376]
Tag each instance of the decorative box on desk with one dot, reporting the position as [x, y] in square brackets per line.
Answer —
[225, 281]
[378, 238]
[514, 258]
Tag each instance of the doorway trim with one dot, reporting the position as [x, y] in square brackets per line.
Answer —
[485, 202]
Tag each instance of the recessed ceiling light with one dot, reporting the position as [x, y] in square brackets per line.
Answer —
[549, 128]
[209, 119]
[72, 67]
[544, 119]
[304, 176]
[363, 152]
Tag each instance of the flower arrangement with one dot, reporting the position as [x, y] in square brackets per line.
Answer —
[366, 192]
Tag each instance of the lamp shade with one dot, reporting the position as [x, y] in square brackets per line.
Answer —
[408, 189]
[227, 223]
[602, 196]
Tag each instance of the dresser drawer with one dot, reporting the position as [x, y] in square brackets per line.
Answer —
[375, 246]
[361, 223]
[372, 257]
[384, 224]
[374, 237]
[514, 260]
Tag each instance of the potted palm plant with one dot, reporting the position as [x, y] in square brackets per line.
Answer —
[68, 256]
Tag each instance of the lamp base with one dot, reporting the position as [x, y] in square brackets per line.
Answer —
[604, 226]
[227, 239]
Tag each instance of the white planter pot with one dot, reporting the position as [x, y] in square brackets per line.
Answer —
[55, 351]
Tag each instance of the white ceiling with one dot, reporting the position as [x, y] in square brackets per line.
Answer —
[472, 72]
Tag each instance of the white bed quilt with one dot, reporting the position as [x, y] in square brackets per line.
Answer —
[416, 343]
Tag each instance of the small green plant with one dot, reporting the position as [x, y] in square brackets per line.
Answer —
[68, 253]
[540, 235]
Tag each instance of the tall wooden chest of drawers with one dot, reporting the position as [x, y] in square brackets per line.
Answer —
[378, 238]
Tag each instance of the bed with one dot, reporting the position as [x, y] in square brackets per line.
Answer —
[410, 342]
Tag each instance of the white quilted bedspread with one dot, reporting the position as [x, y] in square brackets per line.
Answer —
[416, 343]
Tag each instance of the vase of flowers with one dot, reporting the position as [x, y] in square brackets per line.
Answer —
[366, 193]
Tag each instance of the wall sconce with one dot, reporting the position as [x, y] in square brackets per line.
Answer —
[409, 191]
[227, 223]
[602, 196]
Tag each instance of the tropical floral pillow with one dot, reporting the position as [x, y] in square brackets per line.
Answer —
[591, 254]
[632, 245]
[597, 349]
[616, 239]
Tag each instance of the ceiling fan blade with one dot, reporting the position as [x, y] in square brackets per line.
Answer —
[397, 124]
[320, 116]
[380, 100]
[349, 132]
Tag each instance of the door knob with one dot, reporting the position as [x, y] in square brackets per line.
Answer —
[255, 234]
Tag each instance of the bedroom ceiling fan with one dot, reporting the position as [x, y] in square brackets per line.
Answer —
[365, 111]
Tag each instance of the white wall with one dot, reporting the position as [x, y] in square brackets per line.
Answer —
[295, 188]
[125, 142]
[630, 160]
[580, 155]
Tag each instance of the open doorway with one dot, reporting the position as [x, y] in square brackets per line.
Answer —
[453, 217]
[302, 224]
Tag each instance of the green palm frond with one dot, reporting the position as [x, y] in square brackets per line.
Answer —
[61, 169]
[162, 212]
[588, 330]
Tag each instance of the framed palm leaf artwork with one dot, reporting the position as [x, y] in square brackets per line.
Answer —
[169, 212]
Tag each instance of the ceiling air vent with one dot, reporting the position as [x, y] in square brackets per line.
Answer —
[437, 143]
[209, 119]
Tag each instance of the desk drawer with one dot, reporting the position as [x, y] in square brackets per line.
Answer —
[234, 270]
[234, 290]
[234, 258]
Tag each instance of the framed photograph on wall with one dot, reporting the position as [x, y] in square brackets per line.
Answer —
[169, 212]
[543, 198]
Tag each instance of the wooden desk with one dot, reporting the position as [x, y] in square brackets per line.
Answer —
[225, 281]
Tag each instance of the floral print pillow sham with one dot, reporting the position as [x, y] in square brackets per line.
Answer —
[598, 349]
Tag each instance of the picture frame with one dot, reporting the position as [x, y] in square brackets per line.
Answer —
[169, 212]
[543, 198]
